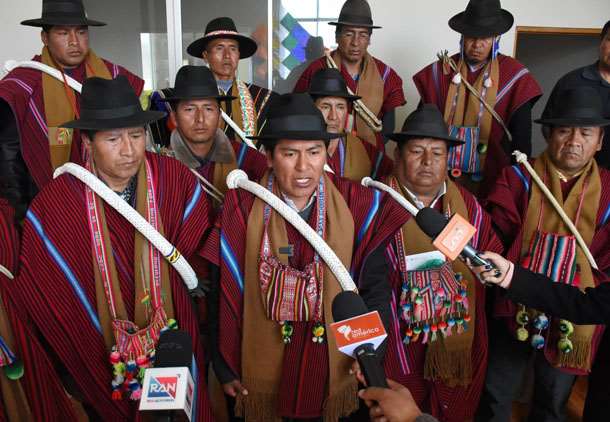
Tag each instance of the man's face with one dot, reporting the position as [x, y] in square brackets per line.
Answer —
[352, 43]
[68, 45]
[334, 110]
[117, 154]
[604, 51]
[477, 50]
[222, 54]
[421, 165]
[298, 166]
[197, 120]
[571, 148]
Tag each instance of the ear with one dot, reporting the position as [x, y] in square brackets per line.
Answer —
[269, 155]
[204, 56]
[172, 118]
[397, 153]
[44, 37]
[86, 142]
[601, 139]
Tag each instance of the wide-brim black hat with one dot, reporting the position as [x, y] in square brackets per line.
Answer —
[294, 117]
[482, 18]
[223, 28]
[425, 122]
[195, 83]
[356, 13]
[110, 104]
[330, 83]
[62, 12]
[575, 107]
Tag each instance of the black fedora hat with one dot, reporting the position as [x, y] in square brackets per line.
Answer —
[223, 28]
[195, 82]
[355, 13]
[62, 12]
[482, 18]
[577, 107]
[425, 122]
[294, 117]
[110, 104]
[330, 83]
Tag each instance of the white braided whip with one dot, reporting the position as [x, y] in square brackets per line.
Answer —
[238, 178]
[171, 254]
[6, 272]
[522, 158]
[370, 183]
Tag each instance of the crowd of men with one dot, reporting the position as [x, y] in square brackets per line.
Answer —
[85, 295]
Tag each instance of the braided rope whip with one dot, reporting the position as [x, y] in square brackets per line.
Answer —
[239, 179]
[169, 251]
[370, 183]
[6, 272]
[367, 115]
[522, 159]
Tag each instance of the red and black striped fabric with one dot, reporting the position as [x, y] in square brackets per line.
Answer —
[57, 283]
[305, 367]
[448, 404]
[22, 91]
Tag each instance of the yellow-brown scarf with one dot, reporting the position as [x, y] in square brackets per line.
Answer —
[141, 273]
[357, 161]
[261, 336]
[468, 114]
[370, 88]
[58, 107]
[448, 359]
[550, 222]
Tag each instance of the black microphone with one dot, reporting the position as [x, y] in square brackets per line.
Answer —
[348, 305]
[432, 223]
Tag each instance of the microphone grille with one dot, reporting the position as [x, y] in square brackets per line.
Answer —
[430, 221]
[348, 304]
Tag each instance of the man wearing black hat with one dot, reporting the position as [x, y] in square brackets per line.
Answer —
[276, 356]
[453, 84]
[597, 76]
[376, 83]
[441, 329]
[221, 48]
[536, 237]
[99, 292]
[197, 141]
[348, 155]
[34, 104]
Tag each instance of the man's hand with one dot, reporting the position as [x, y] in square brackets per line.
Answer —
[234, 388]
[394, 404]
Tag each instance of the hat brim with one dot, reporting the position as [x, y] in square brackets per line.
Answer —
[502, 24]
[575, 122]
[297, 136]
[402, 136]
[197, 97]
[61, 21]
[318, 94]
[359, 24]
[247, 46]
[142, 118]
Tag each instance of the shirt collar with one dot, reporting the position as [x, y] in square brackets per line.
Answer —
[419, 204]
[224, 85]
[219, 153]
[292, 205]
[591, 73]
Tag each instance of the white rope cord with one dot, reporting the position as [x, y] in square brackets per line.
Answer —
[367, 115]
[522, 158]
[238, 178]
[370, 183]
[171, 254]
[6, 272]
[208, 187]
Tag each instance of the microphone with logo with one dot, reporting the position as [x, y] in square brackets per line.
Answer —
[451, 237]
[168, 388]
[358, 334]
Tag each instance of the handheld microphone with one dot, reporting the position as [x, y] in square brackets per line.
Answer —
[433, 223]
[168, 387]
[359, 333]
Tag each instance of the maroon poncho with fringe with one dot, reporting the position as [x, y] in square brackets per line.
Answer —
[57, 284]
[405, 364]
[22, 91]
[303, 385]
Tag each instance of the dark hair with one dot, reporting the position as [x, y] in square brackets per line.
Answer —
[605, 30]
[47, 28]
[90, 133]
[341, 27]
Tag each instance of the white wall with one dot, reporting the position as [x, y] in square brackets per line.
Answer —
[17, 41]
[415, 30]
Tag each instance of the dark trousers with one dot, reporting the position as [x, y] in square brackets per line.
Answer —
[508, 361]
[597, 405]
